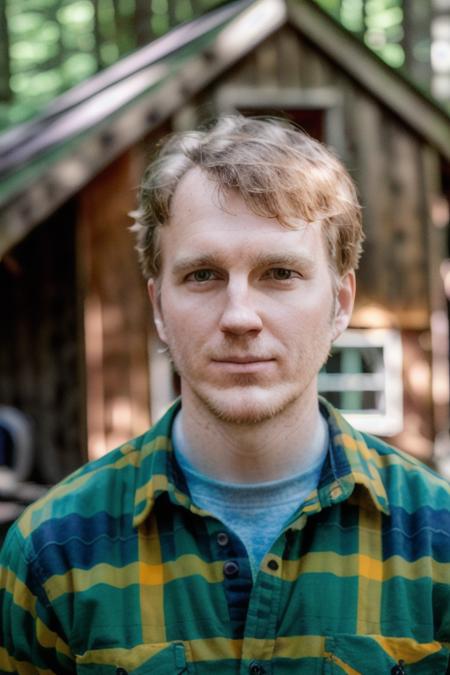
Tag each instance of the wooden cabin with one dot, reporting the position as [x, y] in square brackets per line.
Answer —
[78, 352]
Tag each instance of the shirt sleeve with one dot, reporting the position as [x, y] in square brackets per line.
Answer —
[31, 638]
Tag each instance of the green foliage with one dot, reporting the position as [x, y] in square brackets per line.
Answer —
[352, 15]
[378, 22]
[55, 44]
[384, 32]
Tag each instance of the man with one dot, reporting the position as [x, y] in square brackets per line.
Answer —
[252, 530]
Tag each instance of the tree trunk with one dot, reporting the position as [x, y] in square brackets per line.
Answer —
[143, 27]
[5, 91]
[417, 40]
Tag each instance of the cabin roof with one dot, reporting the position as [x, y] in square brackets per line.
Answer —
[48, 159]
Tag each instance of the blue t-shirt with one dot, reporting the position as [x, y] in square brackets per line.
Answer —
[256, 512]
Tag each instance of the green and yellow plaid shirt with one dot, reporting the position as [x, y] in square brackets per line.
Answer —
[116, 571]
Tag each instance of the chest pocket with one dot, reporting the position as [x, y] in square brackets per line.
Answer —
[156, 659]
[379, 655]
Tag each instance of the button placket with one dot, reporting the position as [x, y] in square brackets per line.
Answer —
[231, 568]
[222, 539]
[262, 616]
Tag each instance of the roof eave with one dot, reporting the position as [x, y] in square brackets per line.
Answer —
[40, 194]
[425, 117]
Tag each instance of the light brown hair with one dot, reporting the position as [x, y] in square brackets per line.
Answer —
[278, 170]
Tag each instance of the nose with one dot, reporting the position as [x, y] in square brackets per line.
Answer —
[240, 315]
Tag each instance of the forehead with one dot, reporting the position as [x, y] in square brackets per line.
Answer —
[204, 219]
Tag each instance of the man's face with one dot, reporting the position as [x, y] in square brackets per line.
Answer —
[245, 305]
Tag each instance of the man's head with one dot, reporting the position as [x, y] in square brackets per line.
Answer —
[279, 172]
[249, 234]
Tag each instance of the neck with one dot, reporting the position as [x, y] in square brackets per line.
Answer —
[275, 448]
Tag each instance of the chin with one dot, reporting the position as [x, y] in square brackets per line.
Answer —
[248, 405]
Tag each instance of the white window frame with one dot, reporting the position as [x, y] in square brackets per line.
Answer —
[386, 422]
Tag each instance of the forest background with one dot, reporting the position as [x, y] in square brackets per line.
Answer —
[49, 46]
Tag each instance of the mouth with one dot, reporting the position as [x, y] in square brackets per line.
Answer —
[243, 364]
[243, 359]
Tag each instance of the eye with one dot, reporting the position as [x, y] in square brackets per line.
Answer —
[200, 276]
[282, 274]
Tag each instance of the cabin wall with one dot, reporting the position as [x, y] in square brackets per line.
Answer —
[75, 357]
[116, 308]
[41, 344]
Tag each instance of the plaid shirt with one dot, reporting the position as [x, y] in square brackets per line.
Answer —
[116, 571]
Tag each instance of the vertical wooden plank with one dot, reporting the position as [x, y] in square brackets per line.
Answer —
[161, 374]
[416, 438]
[439, 324]
[385, 159]
[315, 72]
[363, 118]
[267, 63]
[244, 73]
[117, 310]
[302, 50]
[60, 428]
[406, 225]
[41, 351]
[289, 58]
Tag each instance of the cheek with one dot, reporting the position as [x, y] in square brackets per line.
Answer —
[202, 314]
[310, 315]
[185, 328]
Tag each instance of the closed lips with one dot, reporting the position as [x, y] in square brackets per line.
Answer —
[243, 359]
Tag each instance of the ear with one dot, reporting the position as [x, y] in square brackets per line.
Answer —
[345, 298]
[154, 293]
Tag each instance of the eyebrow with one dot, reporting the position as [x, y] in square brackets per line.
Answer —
[274, 259]
[195, 261]
[271, 259]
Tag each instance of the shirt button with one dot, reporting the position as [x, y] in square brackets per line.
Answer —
[256, 668]
[222, 538]
[335, 493]
[231, 568]
[273, 565]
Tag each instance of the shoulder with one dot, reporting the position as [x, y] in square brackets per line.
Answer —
[94, 498]
[98, 500]
[408, 482]
[394, 477]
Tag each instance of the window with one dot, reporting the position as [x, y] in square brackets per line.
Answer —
[318, 110]
[363, 378]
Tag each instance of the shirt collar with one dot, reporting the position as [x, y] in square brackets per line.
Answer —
[350, 462]
[158, 473]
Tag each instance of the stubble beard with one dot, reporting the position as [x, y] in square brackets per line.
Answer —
[247, 401]
[246, 411]
[264, 403]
